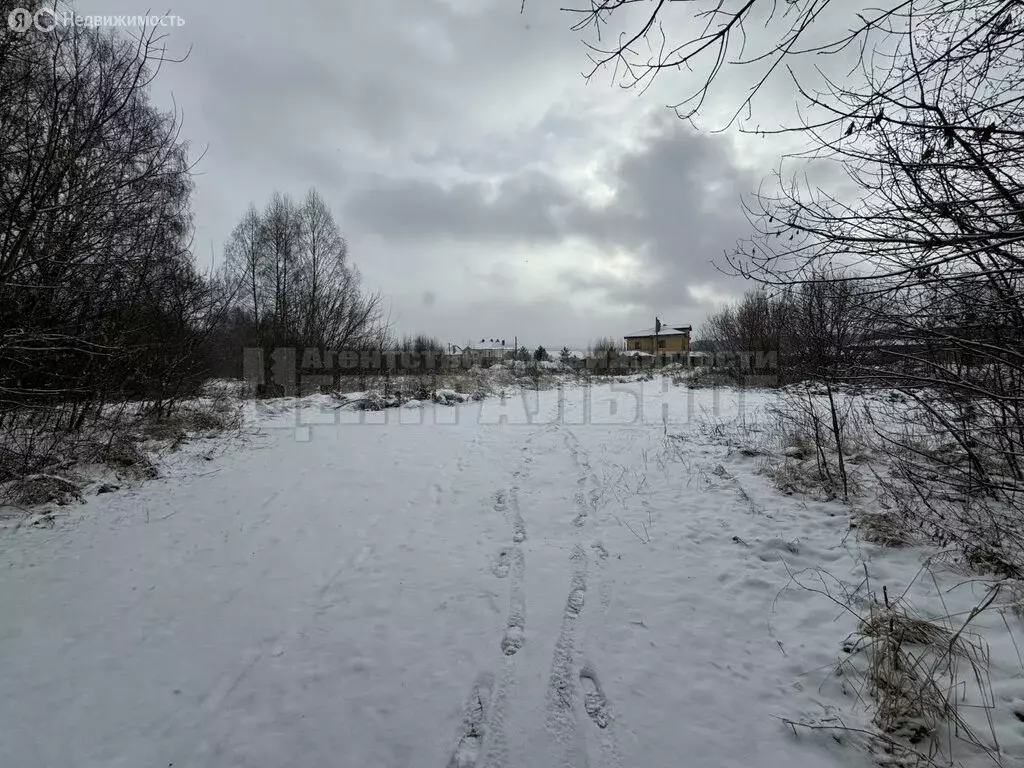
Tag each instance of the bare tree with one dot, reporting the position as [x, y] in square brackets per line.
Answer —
[299, 288]
[925, 215]
[420, 344]
[282, 230]
[323, 255]
[338, 312]
[245, 258]
[604, 345]
[94, 206]
[753, 332]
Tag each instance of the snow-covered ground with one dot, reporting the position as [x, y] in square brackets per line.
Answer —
[556, 581]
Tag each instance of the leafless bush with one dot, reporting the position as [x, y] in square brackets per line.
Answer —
[756, 324]
[216, 417]
[1014, 600]
[706, 378]
[419, 344]
[953, 485]
[818, 430]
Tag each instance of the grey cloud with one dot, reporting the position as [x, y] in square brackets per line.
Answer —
[524, 209]
[446, 126]
[682, 196]
[677, 206]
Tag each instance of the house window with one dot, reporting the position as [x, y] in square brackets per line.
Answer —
[661, 343]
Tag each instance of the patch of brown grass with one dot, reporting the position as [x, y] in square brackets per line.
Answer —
[914, 671]
[883, 528]
[33, 490]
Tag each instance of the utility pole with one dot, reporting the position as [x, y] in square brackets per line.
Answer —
[657, 333]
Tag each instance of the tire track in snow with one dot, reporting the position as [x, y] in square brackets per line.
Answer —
[355, 561]
[213, 703]
[227, 684]
[449, 486]
[436, 491]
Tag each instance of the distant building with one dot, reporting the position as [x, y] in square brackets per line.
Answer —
[495, 349]
[670, 340]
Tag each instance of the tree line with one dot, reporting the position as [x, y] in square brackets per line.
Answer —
[101, 298]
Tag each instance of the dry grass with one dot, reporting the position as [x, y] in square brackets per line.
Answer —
[214, 417]
[34, 490]
[476, 383]
[915, 670]
[922, 677]
[794, 474]
[123, 454]
[824, 444]
[883, 528]
[953, 473]
[911, 662]
[40, 464]
[1013, 602]
[705, 378]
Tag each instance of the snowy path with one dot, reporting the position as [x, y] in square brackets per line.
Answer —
[562, 593]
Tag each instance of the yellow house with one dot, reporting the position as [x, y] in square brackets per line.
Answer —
[671, 340]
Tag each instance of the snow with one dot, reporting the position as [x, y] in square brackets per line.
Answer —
[665, 331]
[574, 577]
[487, 346]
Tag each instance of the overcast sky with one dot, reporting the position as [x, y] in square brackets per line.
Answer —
[484, 187]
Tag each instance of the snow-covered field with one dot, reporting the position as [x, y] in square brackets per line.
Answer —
[556, 581]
